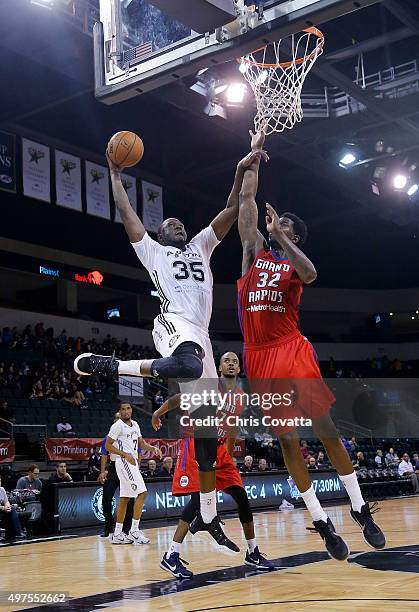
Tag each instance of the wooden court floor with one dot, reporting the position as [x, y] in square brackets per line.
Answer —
[127, 578]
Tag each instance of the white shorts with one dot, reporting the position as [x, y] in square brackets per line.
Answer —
[131, 482]
[169, 332]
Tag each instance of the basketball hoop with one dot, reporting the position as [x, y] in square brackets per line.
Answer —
[277, 84]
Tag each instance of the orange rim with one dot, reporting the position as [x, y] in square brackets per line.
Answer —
[297, 62]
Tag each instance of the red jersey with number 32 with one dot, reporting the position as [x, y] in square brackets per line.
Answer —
[268, 300]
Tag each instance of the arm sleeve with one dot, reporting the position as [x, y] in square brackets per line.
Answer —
[206, 240]
[20, 483]
[3, 496]
[147, 251]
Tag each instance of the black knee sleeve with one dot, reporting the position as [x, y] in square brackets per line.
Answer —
[191, 509]
[240, 497]
[186, 362]
[206, 453]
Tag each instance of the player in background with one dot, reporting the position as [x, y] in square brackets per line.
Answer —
[186, 481]
[181, 273]
[277, 354]
[125, 441]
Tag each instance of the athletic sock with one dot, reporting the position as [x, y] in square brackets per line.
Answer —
[251, 545]
[313, 505]
[118, 529]
[351, 484]
[130, 368]
[134, 525]
[208, 506]
[175, 547]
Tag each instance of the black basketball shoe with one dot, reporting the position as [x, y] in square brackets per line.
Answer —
[89, 363]
[215, 533]
[335, 545]
[373, 535]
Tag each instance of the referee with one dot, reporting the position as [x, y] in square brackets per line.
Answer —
[110, 481]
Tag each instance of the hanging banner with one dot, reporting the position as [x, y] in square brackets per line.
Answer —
[8, 162]
[130, 186]
[71, 449]
[36, 170]
[7, 451]
[97, 190]
[152, 206]
[68, 180]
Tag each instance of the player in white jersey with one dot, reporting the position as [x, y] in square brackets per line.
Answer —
[182, 275]
[124, 441]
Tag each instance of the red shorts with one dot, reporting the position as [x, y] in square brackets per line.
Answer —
[186, 478]
[289, 370]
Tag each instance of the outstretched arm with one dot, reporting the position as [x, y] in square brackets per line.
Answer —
[132, 223]
[251, 238]
[227, 217]
[303, 266]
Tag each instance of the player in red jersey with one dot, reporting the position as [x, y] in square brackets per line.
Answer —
[228, 479]
[279, 359]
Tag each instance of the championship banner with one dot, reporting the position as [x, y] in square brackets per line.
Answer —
[7, 451]
[169, 448]
[71, 449]
[36, 170]
[97, 190]
[7, 162]
[130, 185]
[68, 180]
[152, 206]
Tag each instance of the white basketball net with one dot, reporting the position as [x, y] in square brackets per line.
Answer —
[277, 82]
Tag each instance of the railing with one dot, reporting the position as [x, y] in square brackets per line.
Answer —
[349, 429]
[392, 83]
[9, 425]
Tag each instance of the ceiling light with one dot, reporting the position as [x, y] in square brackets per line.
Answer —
[235, 93]
[412, 190]
[400, 181]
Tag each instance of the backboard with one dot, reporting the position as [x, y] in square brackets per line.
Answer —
[139, 47]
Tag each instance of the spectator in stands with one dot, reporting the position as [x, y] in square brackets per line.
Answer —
[65, 428]
[321, 460]
[166, 468]
[360, 462]
[158, 400]
[347, 445]
[9, 518]
[6, 411]
[93, 466]
[248, 464]
[304, 450]
[353, 444]
[392, 459]
[74, 396]
[406, 471]
[262, 465]
[379, 459]
[151, 471]
[415, 462]
[312, 464]
[31, 481]
[60, 474]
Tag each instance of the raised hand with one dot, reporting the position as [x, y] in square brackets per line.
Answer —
[248, 160]
[256, 140]
[113, 167]
[272, 221]
[155, 421]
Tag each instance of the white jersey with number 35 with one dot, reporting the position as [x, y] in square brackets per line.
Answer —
[125, 436]
[183, 278]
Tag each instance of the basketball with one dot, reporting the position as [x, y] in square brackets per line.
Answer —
[125, 149]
